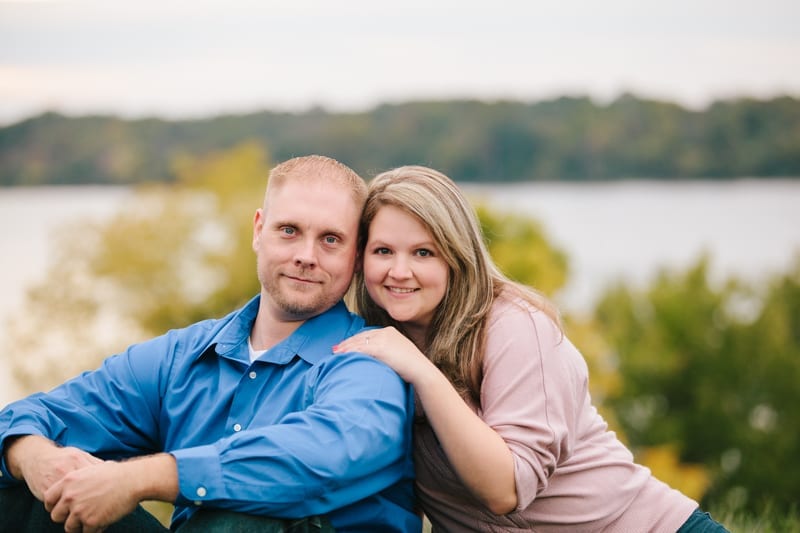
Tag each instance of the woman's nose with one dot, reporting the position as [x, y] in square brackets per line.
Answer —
[400, 269]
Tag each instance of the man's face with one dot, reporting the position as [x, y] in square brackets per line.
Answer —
[305, 244]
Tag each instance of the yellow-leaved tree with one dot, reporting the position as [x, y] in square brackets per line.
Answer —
[174, 254]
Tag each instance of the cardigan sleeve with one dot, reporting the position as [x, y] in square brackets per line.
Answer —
[531, 393]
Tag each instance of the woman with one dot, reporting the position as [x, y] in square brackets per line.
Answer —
[508, 439]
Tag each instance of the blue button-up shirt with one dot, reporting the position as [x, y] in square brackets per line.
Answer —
[301, 431]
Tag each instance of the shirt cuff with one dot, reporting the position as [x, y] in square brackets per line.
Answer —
[199, 475]
[6, 479]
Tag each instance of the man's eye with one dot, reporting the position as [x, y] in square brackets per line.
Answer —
[288, 230]
[331, 240]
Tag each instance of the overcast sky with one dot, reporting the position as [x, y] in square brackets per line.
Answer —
[180, 59]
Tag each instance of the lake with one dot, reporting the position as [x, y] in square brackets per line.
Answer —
[621, 230]
[629, 230]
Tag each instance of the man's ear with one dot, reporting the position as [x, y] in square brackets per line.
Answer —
[258, 225]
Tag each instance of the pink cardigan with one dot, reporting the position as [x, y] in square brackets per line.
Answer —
[572, 473]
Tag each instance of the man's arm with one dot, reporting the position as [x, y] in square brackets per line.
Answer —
[111, 412]
[94, 497]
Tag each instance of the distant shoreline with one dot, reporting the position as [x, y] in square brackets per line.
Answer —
[564, 139]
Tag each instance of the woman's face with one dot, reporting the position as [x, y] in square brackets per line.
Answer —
[403, 269]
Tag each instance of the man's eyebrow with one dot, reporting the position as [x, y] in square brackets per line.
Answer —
[335, 231]
[331, 230]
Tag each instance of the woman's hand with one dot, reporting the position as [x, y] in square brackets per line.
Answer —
[478, 454]
[391, 347]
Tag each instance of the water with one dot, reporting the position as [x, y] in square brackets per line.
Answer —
[28, 218]
[628, 230]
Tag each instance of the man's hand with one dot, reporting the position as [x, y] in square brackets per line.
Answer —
[41, 463]
[92, 498]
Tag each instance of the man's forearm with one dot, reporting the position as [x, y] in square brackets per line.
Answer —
[155, 477]
[24, 448]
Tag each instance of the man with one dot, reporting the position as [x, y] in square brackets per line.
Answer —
[251, 413]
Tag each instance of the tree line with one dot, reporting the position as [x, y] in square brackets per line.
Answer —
[567, 138]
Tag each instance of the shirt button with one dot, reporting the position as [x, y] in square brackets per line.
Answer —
[201, 491]
[237, 427]
[252, 375]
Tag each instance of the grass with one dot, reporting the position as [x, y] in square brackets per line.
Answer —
[769, 521]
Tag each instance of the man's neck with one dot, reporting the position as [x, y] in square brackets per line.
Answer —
[269, 329]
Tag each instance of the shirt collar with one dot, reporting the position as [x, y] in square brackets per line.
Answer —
[312, 341]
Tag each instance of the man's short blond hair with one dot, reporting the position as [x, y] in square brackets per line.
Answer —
[317, 168]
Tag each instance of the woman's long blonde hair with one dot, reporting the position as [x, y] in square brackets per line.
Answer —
[456, 336]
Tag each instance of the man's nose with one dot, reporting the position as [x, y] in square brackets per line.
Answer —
[306, 253]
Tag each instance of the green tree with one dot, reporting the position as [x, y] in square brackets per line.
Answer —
[713, 373]
[521, 249]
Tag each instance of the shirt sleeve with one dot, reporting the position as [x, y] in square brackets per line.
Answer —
[110, 412]
[351, 442]
[531, 393]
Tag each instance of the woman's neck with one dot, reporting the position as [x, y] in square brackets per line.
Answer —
[418, 335]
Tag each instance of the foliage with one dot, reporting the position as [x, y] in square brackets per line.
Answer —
[561, 139]
[520, 248]
[205, 222]
[175, 255]
[713, 372]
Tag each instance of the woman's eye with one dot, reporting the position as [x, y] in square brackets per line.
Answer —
[382, 251]
[424, 253]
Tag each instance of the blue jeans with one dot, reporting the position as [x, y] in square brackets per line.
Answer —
[220, 521]
[701, 522]
[23, 513]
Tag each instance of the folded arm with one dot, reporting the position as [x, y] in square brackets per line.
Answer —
[478, 454]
